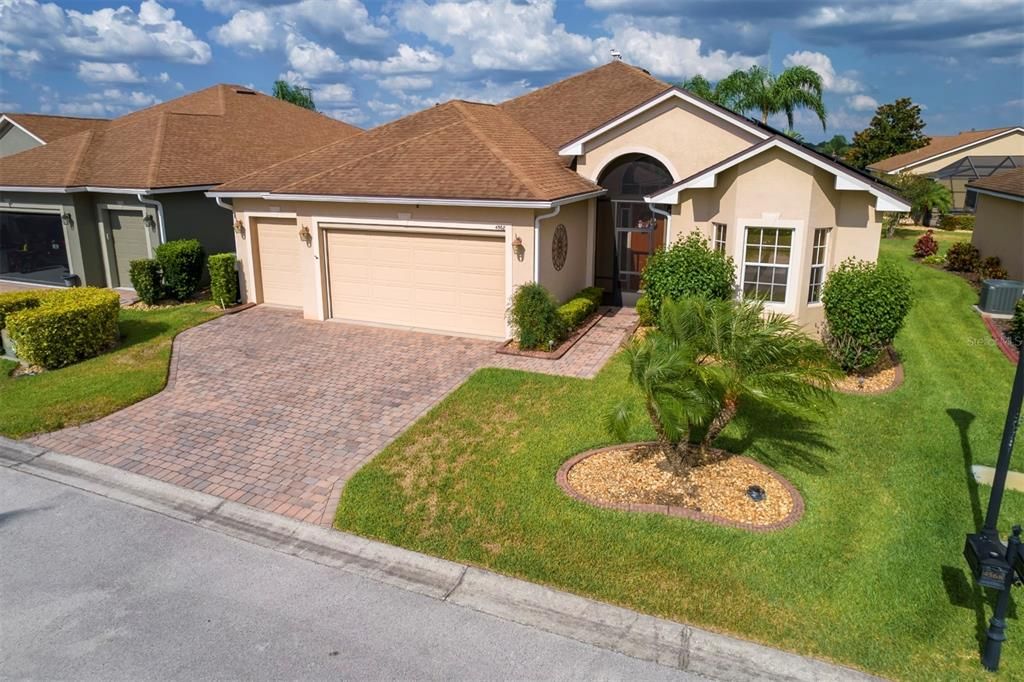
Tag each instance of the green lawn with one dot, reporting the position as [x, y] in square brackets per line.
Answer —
[96, 387]
[871, 577]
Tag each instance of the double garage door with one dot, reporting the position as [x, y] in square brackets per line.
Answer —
[452, 283]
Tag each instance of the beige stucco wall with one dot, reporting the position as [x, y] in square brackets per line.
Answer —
[684, 138]
[511, 222]
[1009, 145]
[999, 231]
[776, 189]
[574, 274]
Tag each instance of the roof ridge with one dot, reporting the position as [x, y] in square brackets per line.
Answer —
[72, 118]
[76, 163]
[375, 151]
[499, 153]
[549, 86]
[158, 144]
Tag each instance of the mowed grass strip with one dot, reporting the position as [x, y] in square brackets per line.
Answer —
[871, 577]
[88, 390]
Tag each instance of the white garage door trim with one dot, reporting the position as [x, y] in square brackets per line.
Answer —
[326, 229]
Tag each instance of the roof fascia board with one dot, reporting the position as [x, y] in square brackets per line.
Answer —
[22, 128]
[844, 181]
[994, 193]
[575, 148]
[961, 148]
[104, 190]
[483, 203]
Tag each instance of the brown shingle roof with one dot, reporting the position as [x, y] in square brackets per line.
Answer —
[939, 144]
[1006, 182]
[204, 138]
[457, 150]
[563, 111]
[49, 128]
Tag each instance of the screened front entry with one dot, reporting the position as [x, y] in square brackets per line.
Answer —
[628, 230]
[32, 248]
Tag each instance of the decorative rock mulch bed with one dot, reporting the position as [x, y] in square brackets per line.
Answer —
[885, 376]
[635, 477]
[510, 347]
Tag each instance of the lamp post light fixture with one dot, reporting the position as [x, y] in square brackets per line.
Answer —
[992, 563]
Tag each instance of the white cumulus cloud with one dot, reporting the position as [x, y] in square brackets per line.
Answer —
[334, 94]
[822, 64]
[102, 72]
[862, 103]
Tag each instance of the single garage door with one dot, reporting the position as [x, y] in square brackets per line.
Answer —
[442, 282]
[278, 243]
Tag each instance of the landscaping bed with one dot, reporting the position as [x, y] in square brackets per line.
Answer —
[884, 376]
[871, 576]
[511, 347]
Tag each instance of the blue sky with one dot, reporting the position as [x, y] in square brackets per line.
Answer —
[370, 62]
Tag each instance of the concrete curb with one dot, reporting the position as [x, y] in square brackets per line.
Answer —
[610, 627]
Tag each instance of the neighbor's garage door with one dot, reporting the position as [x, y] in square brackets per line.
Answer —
[278, 245]
[451, 283]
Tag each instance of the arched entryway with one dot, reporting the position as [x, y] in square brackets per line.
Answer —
[628, 231]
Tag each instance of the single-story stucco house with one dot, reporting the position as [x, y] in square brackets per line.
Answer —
[431, 221]
[955, 160]
[85, 197]
[999, 219]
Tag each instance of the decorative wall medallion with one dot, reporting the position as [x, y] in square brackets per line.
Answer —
[559, 247]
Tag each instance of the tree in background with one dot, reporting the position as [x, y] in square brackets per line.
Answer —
[702, 87]
[926, 196]
[895, 128]
[836, 147]
[295, 94]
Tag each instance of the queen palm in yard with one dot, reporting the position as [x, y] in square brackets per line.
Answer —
[759, 90]
[708, 360]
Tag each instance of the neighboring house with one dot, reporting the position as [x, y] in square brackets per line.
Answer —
[955, 160]
[87, 202]
[431, 221]
[19, 132]
[999, 219]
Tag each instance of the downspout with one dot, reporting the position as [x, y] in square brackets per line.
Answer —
[536, 241]
[226, 207]
[668, 220]
[159, 214]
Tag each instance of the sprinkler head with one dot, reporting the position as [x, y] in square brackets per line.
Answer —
[756, 493]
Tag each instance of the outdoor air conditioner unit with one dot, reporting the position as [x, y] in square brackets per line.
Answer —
[999, 296]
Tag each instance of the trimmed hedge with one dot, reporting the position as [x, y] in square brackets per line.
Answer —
[865, 306]
[147, 280]
[644, 313]
[66, 326]
[223, 279]
[18, 300]
[182, 264]
[963, 221]
[581, 306]
[690, 267]
[534, 317]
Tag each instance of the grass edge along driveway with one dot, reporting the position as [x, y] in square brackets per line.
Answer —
[96, 387]
[871, 577]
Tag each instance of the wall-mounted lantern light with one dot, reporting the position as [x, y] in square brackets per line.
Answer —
[67, 221]
[517, 247]
[149, 222]
[305, 235]
[239, 228]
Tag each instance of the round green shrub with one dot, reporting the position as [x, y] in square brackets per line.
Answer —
[963, 257]
[534, 317]
[865, 306]
[223, 279]
[690, 267]
[182, 264]
[146, 280]
[67, 326]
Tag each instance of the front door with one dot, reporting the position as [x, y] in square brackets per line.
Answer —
[129, 241]
[638, 232]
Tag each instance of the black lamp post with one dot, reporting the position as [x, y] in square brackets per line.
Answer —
[992, 563]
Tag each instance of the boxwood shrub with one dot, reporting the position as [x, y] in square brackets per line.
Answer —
[690, 267]
[865, 306]
[223, 279]
[146, 280]
[18, 300]
[534, 318]
[182, 264]
[66, 326]
[580, 307]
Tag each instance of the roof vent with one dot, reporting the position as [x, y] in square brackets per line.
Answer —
[245, 91]
[616, 54]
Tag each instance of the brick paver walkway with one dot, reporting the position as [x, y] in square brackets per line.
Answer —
[277, 412]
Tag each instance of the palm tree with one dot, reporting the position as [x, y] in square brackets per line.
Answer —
[701, 86]
[708, 360]
[758, 89]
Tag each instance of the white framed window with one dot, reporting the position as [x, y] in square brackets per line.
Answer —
[819, 253]
[719, 240]
[766, 259]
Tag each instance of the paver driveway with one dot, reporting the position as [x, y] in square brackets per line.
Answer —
[275, 411]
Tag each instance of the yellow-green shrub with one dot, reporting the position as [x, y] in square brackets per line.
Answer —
[18, 300]
[66, 326]
[581, 306]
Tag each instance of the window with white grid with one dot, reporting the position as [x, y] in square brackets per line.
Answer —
[818, 254]
[766, 263]
[720, 231]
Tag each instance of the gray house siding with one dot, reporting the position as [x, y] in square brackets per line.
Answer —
[13, 140]
[191, 215]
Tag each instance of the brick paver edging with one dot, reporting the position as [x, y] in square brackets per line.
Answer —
[897, 380]
[795, 514]
[1009, 351]
[508, 349]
